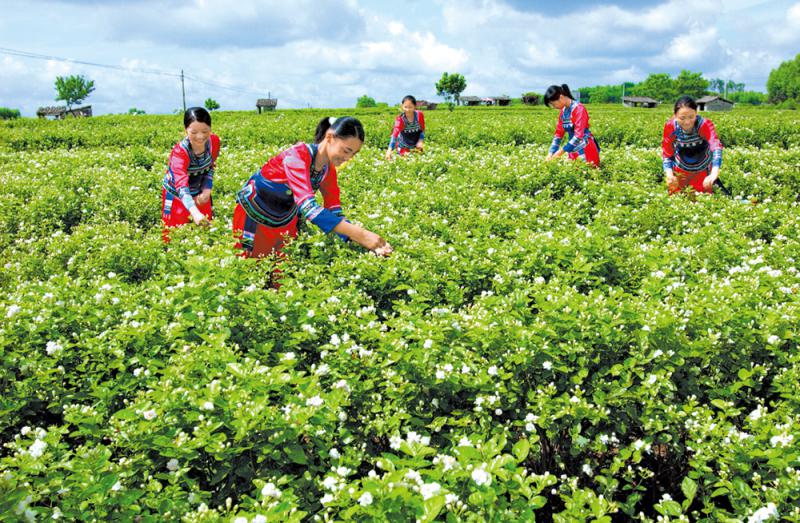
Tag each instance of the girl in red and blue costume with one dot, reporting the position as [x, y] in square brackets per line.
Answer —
[690, 150]
[189, 180]
[409, 130]
[268, 205]
[574, 121]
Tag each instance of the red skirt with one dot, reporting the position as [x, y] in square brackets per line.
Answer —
[695, 179]
[265, 240]
[175, 214]
[591, 153]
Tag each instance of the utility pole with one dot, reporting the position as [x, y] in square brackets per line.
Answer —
[183, 92]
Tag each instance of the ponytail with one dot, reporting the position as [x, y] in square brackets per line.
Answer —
[342, 127]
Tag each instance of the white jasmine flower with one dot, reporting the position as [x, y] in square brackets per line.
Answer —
[53, 347]
[492, 371]
[481, 477]
[547, 365]
[270, 491]
[316, 401]
[428, 490]
[172, 465]
[37, 448]
[764, 514]
[149, 414]
[365, 500]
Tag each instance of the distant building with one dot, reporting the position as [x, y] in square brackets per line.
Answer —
[639, 101]
[60, 112]
[499, 100]
[714, 103]
[268, 104]
[425, 104]
[530, 99]
[471, 100]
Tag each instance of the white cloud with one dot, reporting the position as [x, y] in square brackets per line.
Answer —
[788, 33]
[352, 48]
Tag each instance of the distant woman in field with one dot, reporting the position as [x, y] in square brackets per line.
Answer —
[268, 205]
[409, 129]
[190, 174]
[691, 150]
[573, 119]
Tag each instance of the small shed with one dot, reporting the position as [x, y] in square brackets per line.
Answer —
[714, 103]
[268, 104]
[502, 100]
[425, 104]
[639, 101]
[471, 100]
[60, 112]
[530, 99]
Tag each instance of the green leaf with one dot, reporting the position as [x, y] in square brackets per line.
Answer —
[689, 489]
[720, 404]
[296, 454]
[538, 502]
[669, 508]
[521, 449]
[433, 506]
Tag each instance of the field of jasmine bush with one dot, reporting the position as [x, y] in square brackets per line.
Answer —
[548, 342]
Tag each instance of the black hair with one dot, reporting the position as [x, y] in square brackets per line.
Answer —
[343, 127]
[196, 114]
[409, 97]
[554, 92]
[685, 101]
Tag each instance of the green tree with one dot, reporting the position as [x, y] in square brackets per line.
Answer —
[716, 85]
[8, 114]
[450, 86]
[135, 111]
[691, 84]
[748, 97]
[366, 101]
[605, 94]
[784, 81]
[73, 89]
[659, 86]
[211, 104]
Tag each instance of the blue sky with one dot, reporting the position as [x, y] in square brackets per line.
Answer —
[327, 53]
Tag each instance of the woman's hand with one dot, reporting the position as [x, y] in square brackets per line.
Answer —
[554, 156]
[420, 146]
[389, 154]
[709, 180]
[375, 243]
[672, 181]
[365, 238]
[203, 198]
[198, 217]
[386, 250]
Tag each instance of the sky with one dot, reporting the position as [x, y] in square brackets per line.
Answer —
[327, 53]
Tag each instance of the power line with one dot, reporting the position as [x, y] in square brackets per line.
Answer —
[37, 56]
[140, 70]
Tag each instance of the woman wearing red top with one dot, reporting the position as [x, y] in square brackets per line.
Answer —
[409, 129]
[267, 207]
[186, 193]
[690, 150]
[573, 120]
